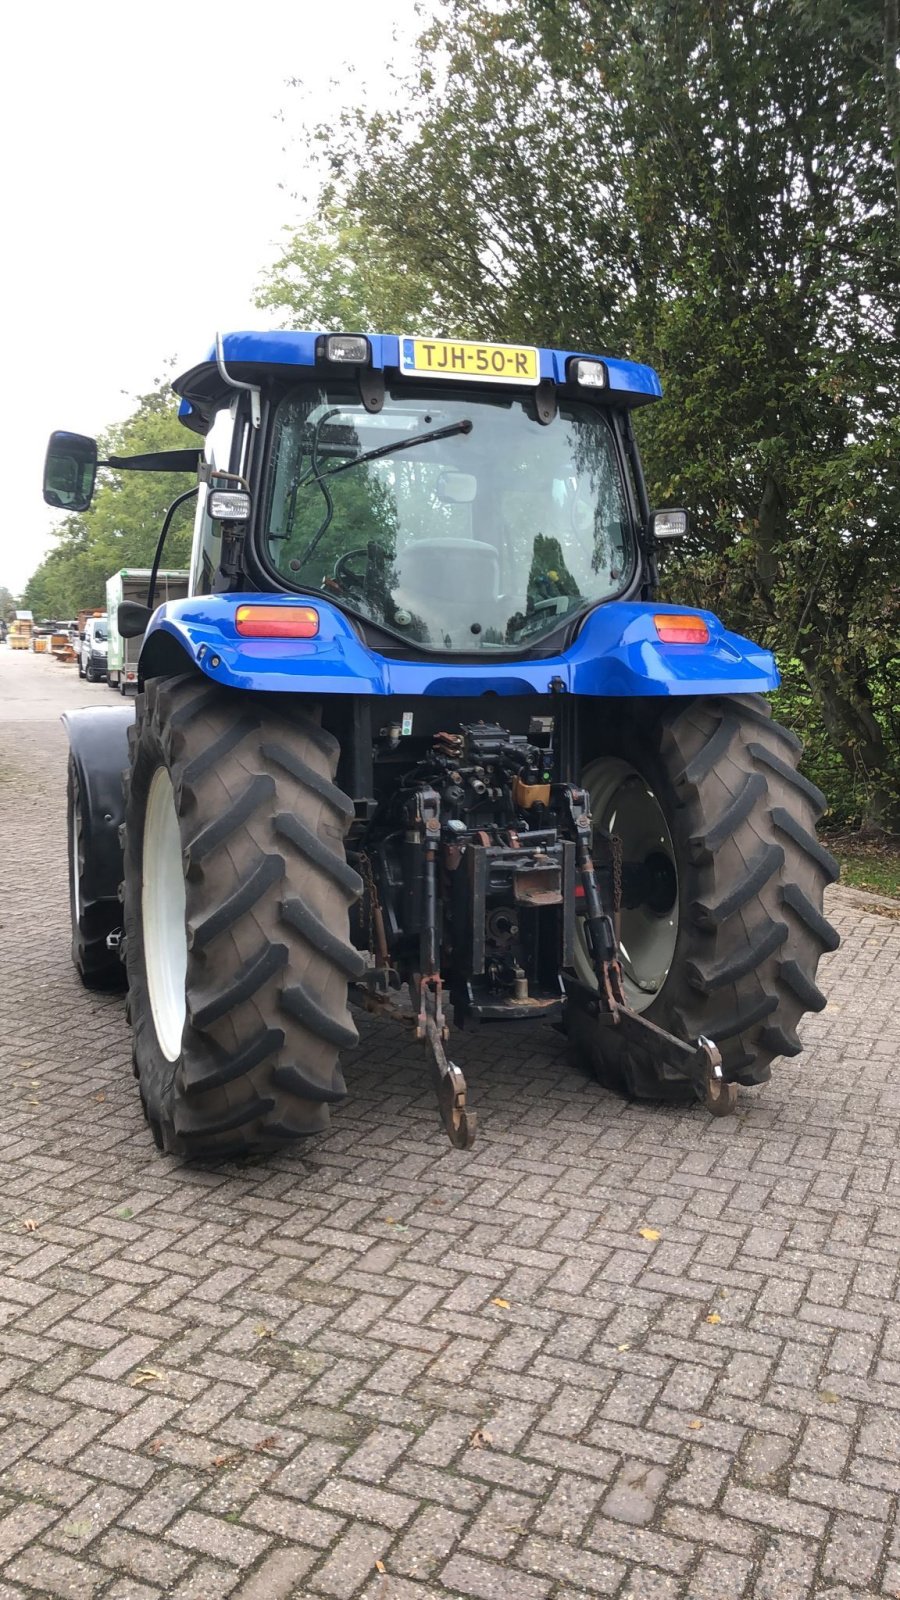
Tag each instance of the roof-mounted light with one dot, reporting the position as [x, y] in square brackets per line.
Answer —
[587, 374]
[349, 347]
[228, 505]
[276, 622]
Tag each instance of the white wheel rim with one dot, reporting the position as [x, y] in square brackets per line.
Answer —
[76, 863]
[163, 915]
[623, 803]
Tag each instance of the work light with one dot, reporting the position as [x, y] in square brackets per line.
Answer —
[229, 505]
[589, 374]
[352, 347]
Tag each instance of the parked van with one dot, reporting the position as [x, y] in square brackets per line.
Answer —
[92, 650]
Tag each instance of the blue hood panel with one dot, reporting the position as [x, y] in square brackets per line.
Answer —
[617, 652]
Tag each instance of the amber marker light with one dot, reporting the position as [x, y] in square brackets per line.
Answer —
[675, 629]
[277, 622]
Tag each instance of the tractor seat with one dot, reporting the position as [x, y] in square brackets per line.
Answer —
[450, 584]
[458, 570]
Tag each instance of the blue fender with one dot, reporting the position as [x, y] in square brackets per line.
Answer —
[616, 652]
[98, 741]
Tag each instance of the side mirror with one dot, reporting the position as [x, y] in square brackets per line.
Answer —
[70, 469]
[665, 525]
[132, 619]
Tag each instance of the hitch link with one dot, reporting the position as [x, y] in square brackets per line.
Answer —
[431, 1024]
[449, 1083]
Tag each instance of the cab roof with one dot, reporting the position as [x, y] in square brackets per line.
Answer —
[250, 357]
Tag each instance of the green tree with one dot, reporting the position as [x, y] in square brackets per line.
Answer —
[123, 523]
[712, 188]
[334, 273]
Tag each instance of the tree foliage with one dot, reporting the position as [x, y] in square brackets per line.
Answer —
[711, 187]
[123, 523]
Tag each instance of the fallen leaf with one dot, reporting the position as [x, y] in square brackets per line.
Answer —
[695, 1424]
[29, 1225]
[155, 1446]
[99, 1097]
[503, 1304]
[227, 1459]
[714, 1317]
[623, 1346]
[481, 1439]
[262, 1332]
[124, 1213]
[829, 1396]
[649, 1233]
[380, 1566]
[270, 1442]
[145, 1375]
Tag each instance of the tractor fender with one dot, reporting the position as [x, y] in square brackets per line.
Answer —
[617, 651]
[98, 742]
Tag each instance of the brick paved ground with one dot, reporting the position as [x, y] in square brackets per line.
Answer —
[265, 1380]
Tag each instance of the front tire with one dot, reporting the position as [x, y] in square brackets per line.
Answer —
[237, 896]
[746, 928]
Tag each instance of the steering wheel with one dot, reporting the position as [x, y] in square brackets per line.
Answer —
[344, 574]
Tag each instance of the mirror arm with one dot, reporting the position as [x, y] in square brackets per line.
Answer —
[158, 461]
[167, 523]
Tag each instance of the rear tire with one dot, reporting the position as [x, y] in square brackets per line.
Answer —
[751, 877]
[261, 948]
[92, 920]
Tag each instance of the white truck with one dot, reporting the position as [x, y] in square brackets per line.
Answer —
[131, 584]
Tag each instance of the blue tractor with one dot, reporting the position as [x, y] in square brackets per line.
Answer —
[422, 729]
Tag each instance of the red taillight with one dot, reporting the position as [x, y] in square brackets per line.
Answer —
[676, 629]
[277, 622]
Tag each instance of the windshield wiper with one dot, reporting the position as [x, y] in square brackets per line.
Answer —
[315, 476]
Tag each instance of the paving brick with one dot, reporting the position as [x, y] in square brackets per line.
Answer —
[427, 1542]
[719, 1576]
[212, 1536]
[786, 1569]
[277, 1576]
[485, 1581]
[145, 1558]
[569, 1564]
[853, 1549]
[350, 1562]
[361, 1499]
[51, 1572]
[635, 1492]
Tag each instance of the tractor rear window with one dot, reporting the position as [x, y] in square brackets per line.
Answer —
[457, 521]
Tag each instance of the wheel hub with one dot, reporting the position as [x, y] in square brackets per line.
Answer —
[623, 804]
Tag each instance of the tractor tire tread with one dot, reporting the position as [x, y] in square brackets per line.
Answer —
[752, 873]
[266, 989]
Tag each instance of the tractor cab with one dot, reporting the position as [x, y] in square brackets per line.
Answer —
[454, 497]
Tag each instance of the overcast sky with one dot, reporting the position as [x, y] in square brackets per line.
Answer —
[144, 178]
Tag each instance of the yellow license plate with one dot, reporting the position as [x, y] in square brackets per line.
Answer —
[466, 358]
